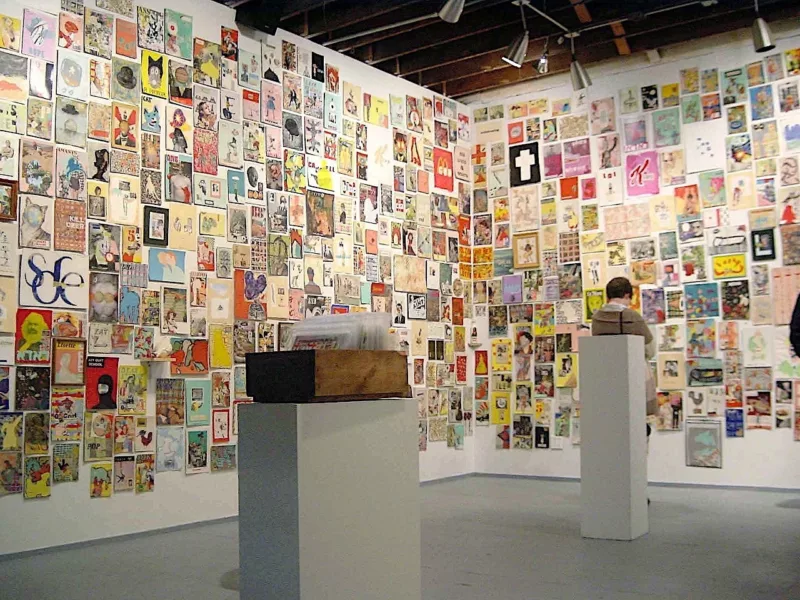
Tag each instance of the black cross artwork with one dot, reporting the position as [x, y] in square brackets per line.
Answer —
[524, 163]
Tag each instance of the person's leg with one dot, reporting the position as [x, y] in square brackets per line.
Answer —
[649, 431]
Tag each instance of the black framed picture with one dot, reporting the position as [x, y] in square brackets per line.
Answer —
[763, 244]
[156, 231]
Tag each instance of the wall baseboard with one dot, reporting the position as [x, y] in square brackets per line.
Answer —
[115, 538]
[430, 482]
[710, 486]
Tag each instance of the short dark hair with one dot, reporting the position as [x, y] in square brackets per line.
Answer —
[619, 287]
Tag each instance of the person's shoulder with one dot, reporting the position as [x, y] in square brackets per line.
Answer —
[632, 315]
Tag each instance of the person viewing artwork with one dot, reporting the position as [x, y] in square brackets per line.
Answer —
[617, 317]
[794, 328]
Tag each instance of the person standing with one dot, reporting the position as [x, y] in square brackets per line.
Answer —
[794, 328]
[617, 317]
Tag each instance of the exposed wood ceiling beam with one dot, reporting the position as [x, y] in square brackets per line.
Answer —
[676, 31]
[491, 43]
[297, 7]
[440, 35]
[581, 10]
[343, 13]
[623, 48]
[472, 65]
[503, 77]
[403, 29]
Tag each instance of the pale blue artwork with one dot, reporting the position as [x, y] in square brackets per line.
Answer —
[167, 266]
[170, 446]
[129, 305]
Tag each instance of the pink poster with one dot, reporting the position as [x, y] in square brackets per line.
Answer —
[642, 173]
[577, 157]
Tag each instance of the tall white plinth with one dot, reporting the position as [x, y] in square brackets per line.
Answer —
[329, 501]
[613, 437]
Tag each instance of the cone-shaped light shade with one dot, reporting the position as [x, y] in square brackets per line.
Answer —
[762, 36]
[580, 78]
[451, 11]
[515, 53]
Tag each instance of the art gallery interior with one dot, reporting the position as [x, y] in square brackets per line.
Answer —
[183, 185]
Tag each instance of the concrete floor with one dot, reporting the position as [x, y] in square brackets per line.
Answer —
[483, 538]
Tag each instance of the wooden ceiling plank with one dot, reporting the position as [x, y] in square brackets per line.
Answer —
[440, 35]
[623, 48]
[345, 13]
[582, 11]
[510, 75]
[679, 30]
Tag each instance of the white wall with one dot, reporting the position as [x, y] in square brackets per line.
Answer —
[761, 458]
[69, 515]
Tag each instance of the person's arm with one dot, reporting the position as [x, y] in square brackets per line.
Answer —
[794, 328]
[650, 349]
[643, 330]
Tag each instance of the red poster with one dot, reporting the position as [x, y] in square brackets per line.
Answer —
[569, 188]
[461, 368]
[101, 383]
[443, 169]
[458, 311]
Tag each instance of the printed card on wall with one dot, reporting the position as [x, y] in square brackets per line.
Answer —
[524, 164]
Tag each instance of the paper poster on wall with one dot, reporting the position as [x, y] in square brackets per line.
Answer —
[705, 146]
[642, 174]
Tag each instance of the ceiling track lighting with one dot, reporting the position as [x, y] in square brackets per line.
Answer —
[577, 73]
[762, 36]
[543, 64]
[451, 11]
[518, 49]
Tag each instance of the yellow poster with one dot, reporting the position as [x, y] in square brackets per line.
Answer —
[567, 370]
[730, 266]
[220, 347]
[500, 408]
[593, 301]
[376, 110]
[501, 354]
[670, 95]
[482, 272]
[132, 389]
[544, 320]
[154, 74]
[483, 255]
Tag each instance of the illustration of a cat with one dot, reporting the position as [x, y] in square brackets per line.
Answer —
[31, 232]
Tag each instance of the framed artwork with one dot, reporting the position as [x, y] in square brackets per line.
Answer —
[704, 443]
[221, 430]
[69, 358]
[8, 200]
[526, 250]
[156, 232]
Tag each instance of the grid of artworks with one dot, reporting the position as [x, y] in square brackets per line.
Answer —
[169, 203]
[691, 189]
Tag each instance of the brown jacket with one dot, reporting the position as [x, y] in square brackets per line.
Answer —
[613, 319]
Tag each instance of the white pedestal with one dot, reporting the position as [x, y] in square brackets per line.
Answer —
[613, 437]
[329, 501]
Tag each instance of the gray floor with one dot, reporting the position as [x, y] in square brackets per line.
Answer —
[483, 538]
